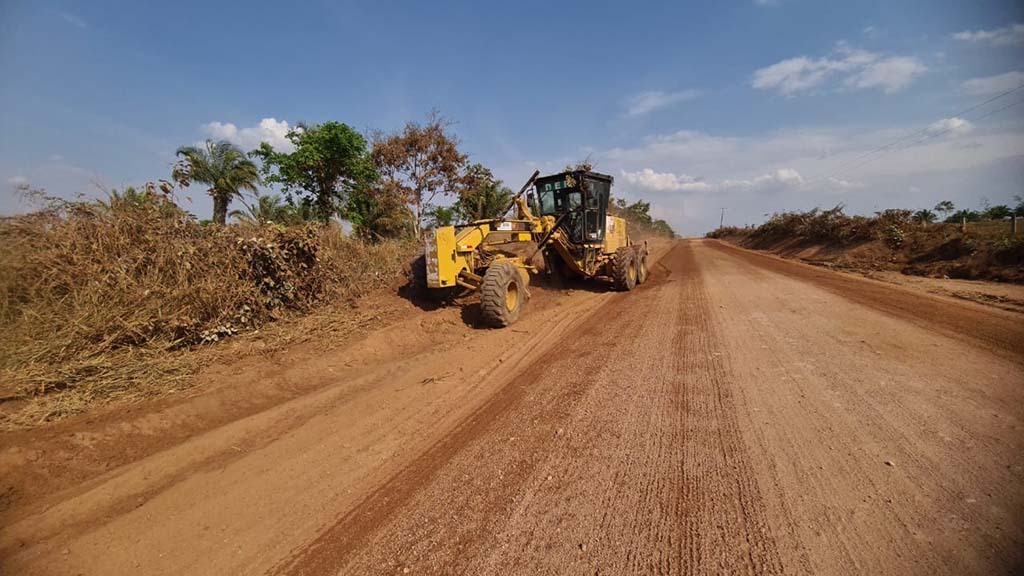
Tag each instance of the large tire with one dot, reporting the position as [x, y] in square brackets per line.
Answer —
[624, 269]
[502, 294]
[418, 281]
[641, 265]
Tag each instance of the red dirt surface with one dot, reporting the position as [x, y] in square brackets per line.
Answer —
[739, 413]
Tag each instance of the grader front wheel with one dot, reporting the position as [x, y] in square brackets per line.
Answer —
[502, 294]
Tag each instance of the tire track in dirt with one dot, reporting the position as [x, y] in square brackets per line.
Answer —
[619, 452]
[103, 507]
[887, 444]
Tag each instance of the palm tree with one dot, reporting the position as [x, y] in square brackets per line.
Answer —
[267, 208]
[378, 216]
[220, 165]
[924, 216]
[946, 206]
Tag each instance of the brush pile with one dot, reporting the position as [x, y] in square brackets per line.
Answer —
[99, 300]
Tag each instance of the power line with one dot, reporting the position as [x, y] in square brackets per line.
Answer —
[839, 169]
[932, 136]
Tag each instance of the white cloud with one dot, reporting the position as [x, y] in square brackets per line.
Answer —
[890, 74]
[767, 2]
[990, 85]
[869, 31]
[953, 126]
[913, 189]
[17, 181]
[843, 184]
[648, 102]
[269, 130]
[71, 19]
[775, 180]
[664, 181]
[862, 69]
[792, 75]
[1009, 35]
[781, 178]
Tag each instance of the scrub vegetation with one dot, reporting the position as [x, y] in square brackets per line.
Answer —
[111, 298]
[963, 243]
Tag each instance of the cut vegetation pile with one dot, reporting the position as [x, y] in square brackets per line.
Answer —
[98, 300]
[889, 240]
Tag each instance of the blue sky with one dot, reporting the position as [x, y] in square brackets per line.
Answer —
[752, 106]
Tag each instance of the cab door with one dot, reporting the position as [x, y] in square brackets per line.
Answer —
[595, 209]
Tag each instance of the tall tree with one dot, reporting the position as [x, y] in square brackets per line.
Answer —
[330, 162]
[222, 167]
[481, 196]
[419, 164]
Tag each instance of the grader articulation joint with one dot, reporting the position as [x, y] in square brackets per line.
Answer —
[566, 218]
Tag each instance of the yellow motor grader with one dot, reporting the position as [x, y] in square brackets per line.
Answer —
[565, 216]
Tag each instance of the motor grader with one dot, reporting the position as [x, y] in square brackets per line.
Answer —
[565, 217]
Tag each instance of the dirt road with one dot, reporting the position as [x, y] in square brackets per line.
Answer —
[736, 414]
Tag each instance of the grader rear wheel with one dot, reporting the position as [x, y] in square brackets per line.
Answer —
[502, 294]
[641, 266]
[624, 269]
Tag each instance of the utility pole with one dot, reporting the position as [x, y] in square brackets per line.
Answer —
[721, 220]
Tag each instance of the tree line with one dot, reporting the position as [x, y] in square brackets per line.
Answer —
[386, 186]
[950, 213]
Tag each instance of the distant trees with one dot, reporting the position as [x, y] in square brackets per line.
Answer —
[639, 213]
[952, 216]
[329, 165]
[268, 208]
[439, 216]
[964, 214]
[220, 165]
[997, 212]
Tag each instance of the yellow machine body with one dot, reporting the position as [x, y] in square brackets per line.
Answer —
[452, 254]
[464, 257]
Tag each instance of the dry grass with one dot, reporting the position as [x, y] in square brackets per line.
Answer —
[101, 302]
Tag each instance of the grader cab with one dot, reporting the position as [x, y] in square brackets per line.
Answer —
[565, 218]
